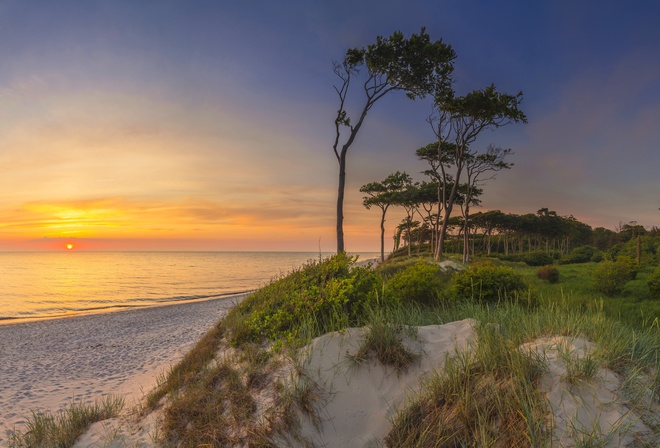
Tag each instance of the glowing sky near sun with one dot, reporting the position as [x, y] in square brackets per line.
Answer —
[208, 125]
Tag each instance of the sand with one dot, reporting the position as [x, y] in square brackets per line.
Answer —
[361, 399]
[46, 364]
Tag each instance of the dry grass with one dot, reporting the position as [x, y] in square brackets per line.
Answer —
[487, 397]
[61, 429]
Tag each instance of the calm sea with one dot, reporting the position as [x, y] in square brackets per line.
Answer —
[51, 284]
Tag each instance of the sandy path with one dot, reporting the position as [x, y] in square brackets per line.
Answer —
[45, 364]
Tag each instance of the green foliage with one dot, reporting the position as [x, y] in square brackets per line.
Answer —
[537, 258]
[611, 276]
[582, 254]
[548, 273]
[417, 283]
[649, 250]
[487, 282]
[319, 295]
[654, 283]
[394, 265]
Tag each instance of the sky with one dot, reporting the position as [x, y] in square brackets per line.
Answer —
[208, 125]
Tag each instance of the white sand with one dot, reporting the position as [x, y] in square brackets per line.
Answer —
[46, 364]
[49, 362]
[586, 408]
[362, 398]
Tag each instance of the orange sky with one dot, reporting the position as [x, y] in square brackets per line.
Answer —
[173, 126]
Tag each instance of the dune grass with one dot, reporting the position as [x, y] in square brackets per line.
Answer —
[61, 429]
[230, 389]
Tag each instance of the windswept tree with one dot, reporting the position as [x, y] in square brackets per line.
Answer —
[459, 121]
[415, 65]
[383, 195]
[478, 169]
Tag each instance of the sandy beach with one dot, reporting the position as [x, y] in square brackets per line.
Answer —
[45, 364]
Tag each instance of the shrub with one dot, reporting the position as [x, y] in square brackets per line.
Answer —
[486, 282]
[611, 276]
[326, 295]
[581, 254]
[549, 273]
[418, 283]
[654, 283]
[537, 258]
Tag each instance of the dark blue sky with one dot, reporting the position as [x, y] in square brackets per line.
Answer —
[221, 112]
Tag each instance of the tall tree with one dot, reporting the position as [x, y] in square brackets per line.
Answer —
[478, 169]
[415, 65]
[439, 161]
[460, 120]
[382, 195]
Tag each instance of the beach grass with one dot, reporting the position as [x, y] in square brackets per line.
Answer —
[245, 384]
[487, 396]
[61, 429]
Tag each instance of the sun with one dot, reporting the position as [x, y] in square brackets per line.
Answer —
[69, 246]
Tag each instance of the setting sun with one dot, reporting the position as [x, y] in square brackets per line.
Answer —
[69, 246]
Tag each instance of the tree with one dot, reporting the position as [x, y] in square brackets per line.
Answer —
[383, 195]
[414, 65]
[460, 120]
[476, 168]
[439, 161]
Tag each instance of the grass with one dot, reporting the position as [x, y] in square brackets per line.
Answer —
[243, 384]
[486, 397]
[490, 398]
[61, 429]
[385, 342]
[193, 362]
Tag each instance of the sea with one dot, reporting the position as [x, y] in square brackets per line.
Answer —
[37, 285]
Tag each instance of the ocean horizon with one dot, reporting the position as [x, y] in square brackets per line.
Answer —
[51, 284]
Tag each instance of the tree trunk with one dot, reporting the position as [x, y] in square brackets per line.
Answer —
[466, 236]
[382, 235]
[340, 202]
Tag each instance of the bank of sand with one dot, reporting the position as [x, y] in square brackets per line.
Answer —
[50, 362]
[46, 364]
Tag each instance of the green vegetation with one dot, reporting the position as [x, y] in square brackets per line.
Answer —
[384, 341]
[45, 429]
[313, 300]
[488, 282]
[611, 276]
[490, 397]
[419, 283]
[654, 284]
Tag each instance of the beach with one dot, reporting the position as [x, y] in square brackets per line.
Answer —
[45, 364]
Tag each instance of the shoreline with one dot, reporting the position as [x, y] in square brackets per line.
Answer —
[121, 308]
[47, 363]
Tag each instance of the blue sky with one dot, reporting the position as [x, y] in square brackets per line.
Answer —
[209, 124]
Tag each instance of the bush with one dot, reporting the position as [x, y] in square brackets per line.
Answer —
[418, 283]
[327, 295]
[486, 282]
[537, 258]
[582, 254]
[611, 276]
[654, 283]
[549, 273]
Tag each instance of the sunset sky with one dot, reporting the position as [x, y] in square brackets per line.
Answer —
[208, 125]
